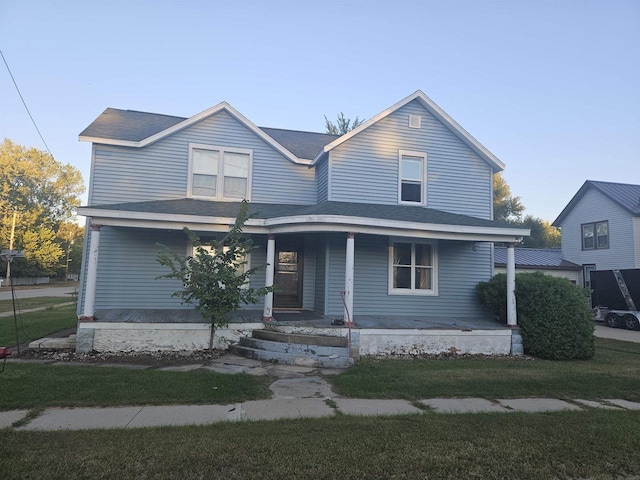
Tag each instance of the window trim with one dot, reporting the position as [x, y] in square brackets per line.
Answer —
[191, 251]
[595, 235]
[423, 176]
[220, 174]
[433, 292]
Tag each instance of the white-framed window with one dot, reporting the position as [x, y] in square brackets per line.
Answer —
[595, 235]
[243, 265]
[412, 177]
[220, 173]
[413, 267]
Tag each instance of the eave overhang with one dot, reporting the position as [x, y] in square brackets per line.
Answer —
[304, 223]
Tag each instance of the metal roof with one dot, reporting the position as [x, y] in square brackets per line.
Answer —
[542, 258]
[625, 195]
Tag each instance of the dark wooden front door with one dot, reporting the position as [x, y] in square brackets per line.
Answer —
[288, 273]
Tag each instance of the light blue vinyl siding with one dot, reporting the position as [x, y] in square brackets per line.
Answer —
[321, 265]
[159, 171]
[596, 207]
[322, 179]
[459, 271]
[365, 168]
[128, 269]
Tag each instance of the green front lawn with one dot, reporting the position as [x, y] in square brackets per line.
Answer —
[34, 325]
[614, 372]
[591, 444]
[28, 386]
[35, 302]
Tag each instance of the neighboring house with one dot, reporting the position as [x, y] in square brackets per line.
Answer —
[601, 227]
[394, 216]
[546, 260]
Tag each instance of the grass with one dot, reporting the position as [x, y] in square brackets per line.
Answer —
[36, 325]
[612, 373]
[34, 302]
[593, 444]
[39, 386]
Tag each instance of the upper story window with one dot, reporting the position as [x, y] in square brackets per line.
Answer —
[219, 172]
[595, 235]
[412, 175]
[412, 268]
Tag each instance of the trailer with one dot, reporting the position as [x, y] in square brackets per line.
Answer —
[615, 297]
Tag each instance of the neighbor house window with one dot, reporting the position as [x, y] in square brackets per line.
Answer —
[412, 268]
[595, 235]
[412, 177]
[219, 172]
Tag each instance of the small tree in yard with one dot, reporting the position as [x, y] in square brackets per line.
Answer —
[215, 278]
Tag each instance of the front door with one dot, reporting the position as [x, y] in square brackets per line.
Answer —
[288, 273]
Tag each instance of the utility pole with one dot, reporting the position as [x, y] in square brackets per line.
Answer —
[13, 231]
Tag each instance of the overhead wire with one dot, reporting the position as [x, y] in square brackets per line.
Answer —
[25, 103]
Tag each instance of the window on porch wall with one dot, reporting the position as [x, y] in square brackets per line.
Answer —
[412, 268]
[242, 265]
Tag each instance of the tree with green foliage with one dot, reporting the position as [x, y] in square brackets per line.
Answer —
[506, 207]
[543, 234]
[342, 125]
[43, 193]
[215, 278]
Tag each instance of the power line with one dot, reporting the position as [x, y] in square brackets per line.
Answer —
[25, 104]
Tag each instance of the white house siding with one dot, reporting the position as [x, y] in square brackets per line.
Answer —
[573, 275]
[596, 207]
[159, 171]
[459, 271]
[365, 168]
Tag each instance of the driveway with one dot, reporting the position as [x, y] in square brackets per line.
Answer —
[22, 292]
[603, 331]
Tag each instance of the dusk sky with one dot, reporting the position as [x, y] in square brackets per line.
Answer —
[552, 88]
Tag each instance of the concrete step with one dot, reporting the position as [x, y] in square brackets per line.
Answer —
[301, 338]
[291, 358]
[296, 348]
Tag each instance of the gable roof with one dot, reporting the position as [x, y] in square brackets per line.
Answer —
[625, 195]
[129, 128]
[438, 113]
[535, 258]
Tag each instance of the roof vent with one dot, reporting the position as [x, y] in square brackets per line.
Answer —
[415, 121]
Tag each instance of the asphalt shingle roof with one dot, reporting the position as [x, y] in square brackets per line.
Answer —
[190, 206]
[134, 126]
[548, 258]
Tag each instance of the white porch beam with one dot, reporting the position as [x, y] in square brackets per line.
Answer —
[512, 319]
[267, 314]
[348, 279]
[92, 273]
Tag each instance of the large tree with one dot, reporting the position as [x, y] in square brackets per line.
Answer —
[506, 207]
[42, 193]
[342, 125]
[543, 235]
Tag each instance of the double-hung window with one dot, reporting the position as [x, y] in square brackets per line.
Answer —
[412, 175]
[219, 172]
[595, 235]
[412, 268]
[241, 265]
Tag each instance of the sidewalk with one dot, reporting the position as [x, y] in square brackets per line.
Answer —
[297, 392]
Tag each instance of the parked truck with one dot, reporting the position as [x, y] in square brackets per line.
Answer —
[615, 297]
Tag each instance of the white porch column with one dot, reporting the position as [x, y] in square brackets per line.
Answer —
[348, 279]
[512, 319]
[267, 314]
[92, 273]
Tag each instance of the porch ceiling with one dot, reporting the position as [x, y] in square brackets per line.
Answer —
[394, 220]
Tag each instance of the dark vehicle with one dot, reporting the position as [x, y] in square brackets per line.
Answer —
[615, 297]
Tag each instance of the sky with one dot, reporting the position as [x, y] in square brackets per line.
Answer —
[552, 88]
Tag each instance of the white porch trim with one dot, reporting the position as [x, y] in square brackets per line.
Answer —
[512, 319]
[267, 314]
[92, 273]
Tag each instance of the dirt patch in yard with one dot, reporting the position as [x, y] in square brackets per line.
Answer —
[156, 359]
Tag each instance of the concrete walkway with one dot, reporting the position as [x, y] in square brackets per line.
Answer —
[297, 392]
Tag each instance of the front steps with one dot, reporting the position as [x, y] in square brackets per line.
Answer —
[318, 351]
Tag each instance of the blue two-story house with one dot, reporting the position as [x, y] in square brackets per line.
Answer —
[391, 220]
